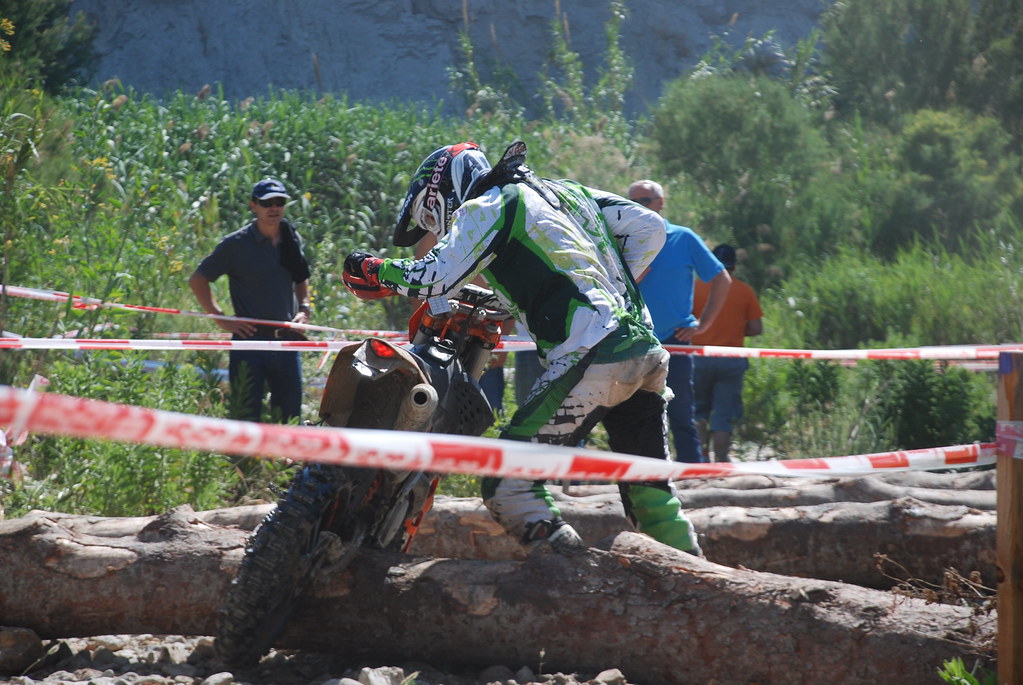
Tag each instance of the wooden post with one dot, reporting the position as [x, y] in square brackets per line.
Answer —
[1009, 536]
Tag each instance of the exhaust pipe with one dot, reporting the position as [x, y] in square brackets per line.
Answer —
[417, 408]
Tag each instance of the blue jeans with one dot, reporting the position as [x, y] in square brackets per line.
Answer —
[717, 386]
[681, 411]
[252, 372]
[492, 385]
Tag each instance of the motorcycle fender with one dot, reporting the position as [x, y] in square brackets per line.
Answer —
[380, 374]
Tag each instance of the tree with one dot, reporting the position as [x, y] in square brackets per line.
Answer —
[890, 57]
[47, 43]
[743, 147]
[960, 177]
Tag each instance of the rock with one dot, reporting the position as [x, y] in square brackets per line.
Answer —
[19, 649]
[611, 676]
[525, 675]
[102, 657]
[202, 652]
[497, 674]
[382, 676]
[362, 48]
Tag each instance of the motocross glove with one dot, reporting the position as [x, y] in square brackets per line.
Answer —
[359, 275]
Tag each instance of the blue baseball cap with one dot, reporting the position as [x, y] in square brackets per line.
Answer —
[267, 188]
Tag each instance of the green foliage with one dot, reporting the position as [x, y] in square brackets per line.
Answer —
[922, 297]
[992, 82]
[890, 57]
[954, 672]
[33, 172]
[720, 131]
[798, 409]
[819, 409]
[47, 42]
[584, 133]
[922, 404]
[960, 177]
[744, 147]
[566, 97]
[482, 100]
[117, 479]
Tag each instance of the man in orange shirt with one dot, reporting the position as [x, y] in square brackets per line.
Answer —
[717, 381]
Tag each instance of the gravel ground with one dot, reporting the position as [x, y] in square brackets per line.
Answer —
[177, 660]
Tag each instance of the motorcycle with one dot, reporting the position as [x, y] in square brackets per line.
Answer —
[331, 511]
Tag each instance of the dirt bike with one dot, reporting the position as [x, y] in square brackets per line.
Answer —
[330, 511]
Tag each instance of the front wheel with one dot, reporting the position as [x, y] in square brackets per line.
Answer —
[279, 561]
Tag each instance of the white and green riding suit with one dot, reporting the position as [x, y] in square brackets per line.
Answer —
[567, 276]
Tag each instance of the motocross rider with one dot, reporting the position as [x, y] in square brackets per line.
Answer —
[562, 258]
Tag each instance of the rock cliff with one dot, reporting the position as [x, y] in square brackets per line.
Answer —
[401, 49]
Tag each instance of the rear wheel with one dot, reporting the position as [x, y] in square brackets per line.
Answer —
[280, 559]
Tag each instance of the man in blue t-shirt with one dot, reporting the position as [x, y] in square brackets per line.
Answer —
[667, 289]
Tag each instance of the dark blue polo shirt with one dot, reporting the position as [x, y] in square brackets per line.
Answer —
[261, 288]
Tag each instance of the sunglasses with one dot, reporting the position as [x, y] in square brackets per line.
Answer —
[272, 202]
[644, 200]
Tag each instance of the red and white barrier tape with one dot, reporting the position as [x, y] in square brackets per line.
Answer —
[80, 302]
[941, 352]
[85, 418]
[951, 353]
[936, 352]
[1010, 438]
[211, 344]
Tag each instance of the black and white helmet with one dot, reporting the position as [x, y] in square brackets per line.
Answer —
[440, 185]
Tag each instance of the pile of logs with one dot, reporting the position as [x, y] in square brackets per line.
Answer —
[803, 581]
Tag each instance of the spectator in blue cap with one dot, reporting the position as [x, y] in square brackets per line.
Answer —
[268, 278]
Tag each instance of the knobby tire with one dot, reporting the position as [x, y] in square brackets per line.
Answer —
[275, 570]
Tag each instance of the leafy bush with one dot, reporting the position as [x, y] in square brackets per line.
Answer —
[955, 672]
[47, 43]
[922, 404]
[116, 479]
[743, 147]
[960, 178]
[806, 409]
[890, 57]
[854, 300]
[795, 409]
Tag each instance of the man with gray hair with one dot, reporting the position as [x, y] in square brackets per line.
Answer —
[667, 289]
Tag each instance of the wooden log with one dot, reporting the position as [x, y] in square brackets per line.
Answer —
[976, 479]
[67, 576]
[652, 611]
[845, 490]
[837, 541]
[841, 541]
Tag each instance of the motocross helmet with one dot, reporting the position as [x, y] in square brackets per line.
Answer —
[440, 185]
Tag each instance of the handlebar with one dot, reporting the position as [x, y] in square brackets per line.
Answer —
[470, 299]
